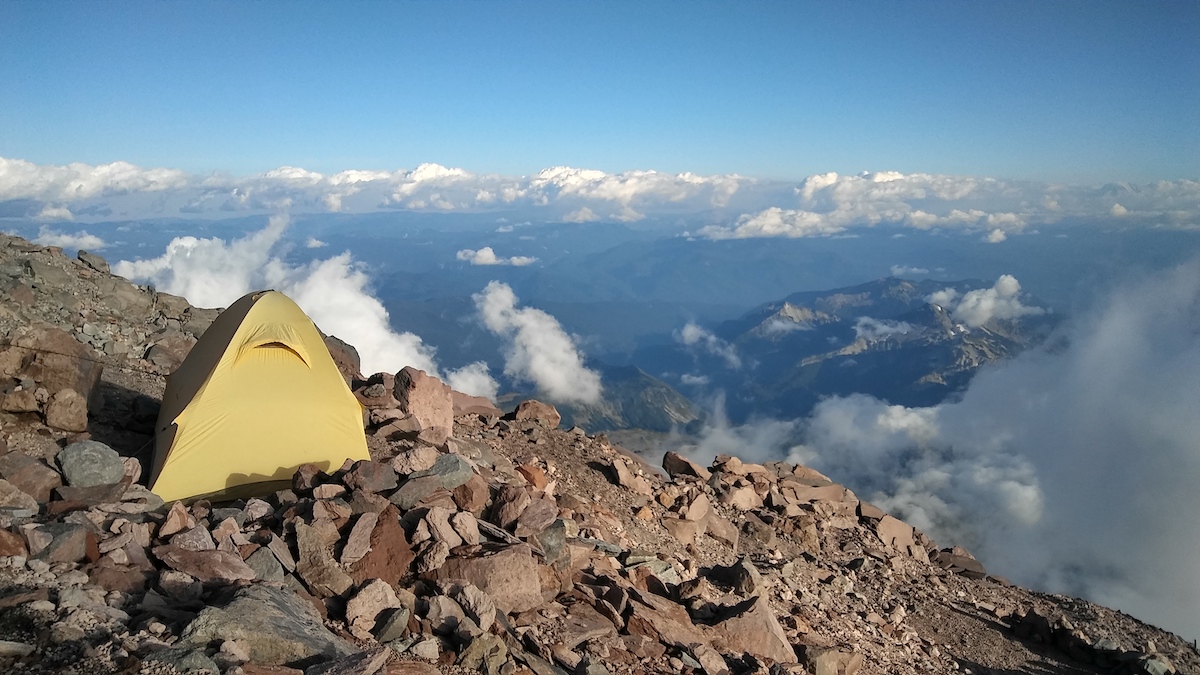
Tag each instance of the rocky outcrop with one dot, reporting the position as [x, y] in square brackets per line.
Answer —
[479, 543]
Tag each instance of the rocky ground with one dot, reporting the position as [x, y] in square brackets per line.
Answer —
[470, 541]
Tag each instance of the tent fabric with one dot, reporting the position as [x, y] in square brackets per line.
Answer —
[256, 397]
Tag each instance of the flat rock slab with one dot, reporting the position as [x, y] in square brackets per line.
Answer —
[508, 575]
[210, 567]
[276, 626]
[362, 663]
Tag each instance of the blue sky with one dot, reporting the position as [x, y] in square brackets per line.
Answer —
[1077, 92]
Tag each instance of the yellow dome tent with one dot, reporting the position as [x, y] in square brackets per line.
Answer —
[258, 396]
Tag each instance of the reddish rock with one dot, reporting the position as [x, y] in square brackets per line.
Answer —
[374, 597]
[389, 556]
[900, 535]
[358, 543]
[742, 498]
[13, 498]
[751, 626]
[54, 359]
[345, 357]
[15, 599]
[685, 531]
[511, 502]
[534, 475]
[698, 509]
[67, 410]
[829, 661]
[543, 413]
[125, 578]
[676, 464]
[584, 623]
[178, 519]
[307, 477]
[870, 511]
[536, 517]
[170, 349]
[660, 619]
[465, 404]
[315, 564]
[428, 399]
[628, 480]
[473, 495]
[12, 544]
[211, 567]
[376, 392]
[20, 401]
[371, 477]
[507, 574]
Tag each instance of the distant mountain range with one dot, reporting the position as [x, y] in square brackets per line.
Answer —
[883, 338]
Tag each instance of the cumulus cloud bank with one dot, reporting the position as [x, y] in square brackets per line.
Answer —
[562, 193]
[738, 207]
[537, 350]
[486, 256]
[1072, 469]
[334, 292]
[830, 204]
[975, 308]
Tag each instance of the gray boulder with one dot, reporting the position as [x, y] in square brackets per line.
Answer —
[89, 463]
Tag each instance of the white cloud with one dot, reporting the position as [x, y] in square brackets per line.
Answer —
[313, 242]
[474, 379]
[736, 206]
[826, 204]
[486, 256]
[692, 335]
[334, 292]
[903, 271]
[1071, 470]
[20, 179]
[1001, 301]
[867, 328]
[537, 349]
[777, 222]
[583, 215]
[694, 380]
[50, 212]
[78, 240]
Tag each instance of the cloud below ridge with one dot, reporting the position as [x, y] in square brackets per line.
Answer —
[1070, 469]
[537, 350]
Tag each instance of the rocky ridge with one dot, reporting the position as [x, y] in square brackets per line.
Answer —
[470, 541]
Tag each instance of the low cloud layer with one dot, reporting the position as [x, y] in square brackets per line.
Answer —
[867, 328]
[124, 190]
[1071, 470]
[734, 206]
[976, 308]
[701, 340]
[80, 240]
[486, 256]
[830, 204]
[334, 292]
[537, 350]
